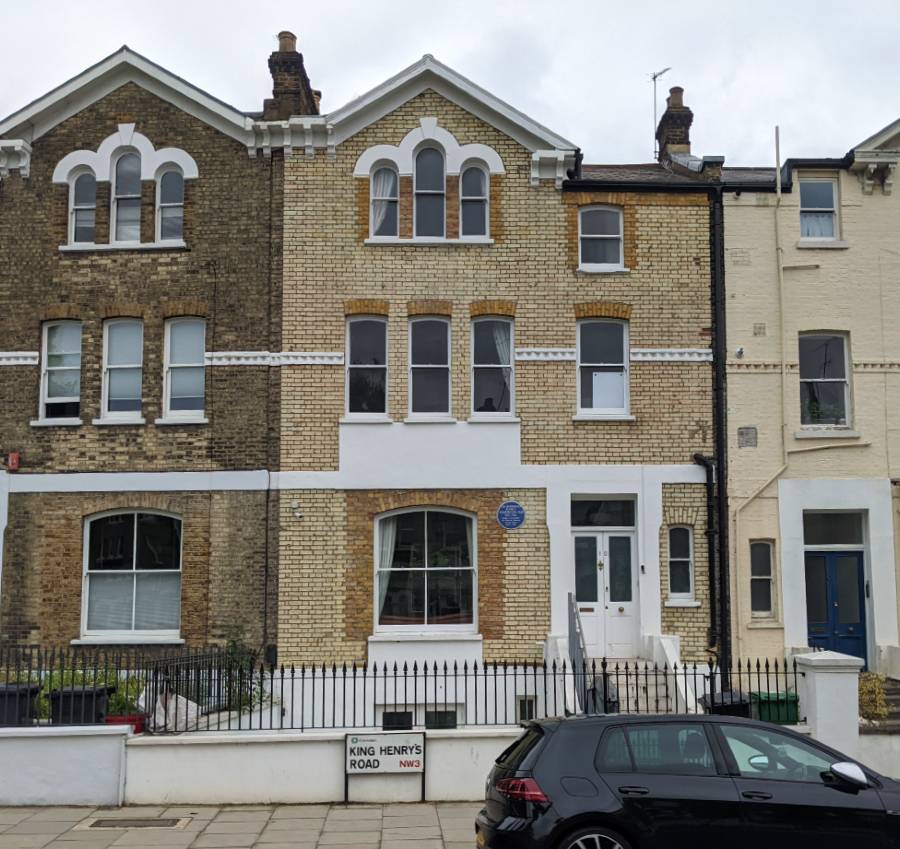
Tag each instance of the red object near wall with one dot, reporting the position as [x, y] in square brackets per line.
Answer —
[12, 461]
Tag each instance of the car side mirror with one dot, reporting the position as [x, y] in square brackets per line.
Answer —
[759, 762]
[850, 773]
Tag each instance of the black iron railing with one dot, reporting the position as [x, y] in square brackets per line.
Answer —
[221, 690]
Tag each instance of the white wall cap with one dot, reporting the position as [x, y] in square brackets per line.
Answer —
[829, 661]
[42, 731]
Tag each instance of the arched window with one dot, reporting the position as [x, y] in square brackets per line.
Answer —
[425, 570]
[603, 356]
[170, 206]
[600, 239]
[429, 193]
[83, 208]
[473, 201]
[126, 212]
[132, 575]
[385, 193]
[681, 562]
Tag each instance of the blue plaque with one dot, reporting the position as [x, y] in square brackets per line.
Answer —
[511, 515]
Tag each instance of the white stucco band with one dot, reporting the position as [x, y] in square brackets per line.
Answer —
[870, 495]
[100, 161]
[402, 155]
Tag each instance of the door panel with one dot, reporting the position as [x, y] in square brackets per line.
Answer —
[789, 802]
[620, 607]
[587, 592]
[835, 602]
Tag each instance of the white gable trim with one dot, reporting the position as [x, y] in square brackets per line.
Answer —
[100, 162]
[455, 154]
[111, 73]
[429, 73]
[880, 137]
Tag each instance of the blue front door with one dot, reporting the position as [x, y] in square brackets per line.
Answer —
[836, 601]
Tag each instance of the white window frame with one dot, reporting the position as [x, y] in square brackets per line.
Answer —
[120, 416]
[688, 596]
[130, 636]
[511, 366]
[115, 198]
[771, 613]
[604, 412]
[471, 628]
[417, 191]
[181, 416]
[74, 209]
[485, 198]
[380, 417]
[160, 206]
[600, 267]
[442, 416]
[46, 369]
[834, 209]
[373, 199]
[848, 395]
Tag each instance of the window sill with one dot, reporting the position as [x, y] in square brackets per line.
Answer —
[477, 418]
[603, 269]
[123, 640]
[765, 625]
[424, 637]
[682, 602]
[366, 419]
[427, 242]
[175, 422]
[603, 417]
[429, 420]
[106, 422]
[55, 422]
[827, 433]
[823, 244]
[90, 247]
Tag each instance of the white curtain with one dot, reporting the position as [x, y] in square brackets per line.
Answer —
[817, 225]
[387, 529]
[383, 186]
[502, 333]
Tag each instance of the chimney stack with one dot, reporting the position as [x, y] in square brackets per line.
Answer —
[291, 91]
[673, 133]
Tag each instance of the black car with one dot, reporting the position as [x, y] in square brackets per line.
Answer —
[673, 782]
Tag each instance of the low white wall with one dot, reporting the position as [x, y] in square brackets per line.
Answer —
[288, 767]
[881, 752]
[80, 765]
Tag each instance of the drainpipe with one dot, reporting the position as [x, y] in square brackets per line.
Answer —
[709, 465]
[720, 351]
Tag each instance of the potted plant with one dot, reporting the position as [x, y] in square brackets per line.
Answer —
[122, 706]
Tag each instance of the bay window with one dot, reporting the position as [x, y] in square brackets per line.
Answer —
[602, 368]
[425, 570]
[429, 372]
[132, 576]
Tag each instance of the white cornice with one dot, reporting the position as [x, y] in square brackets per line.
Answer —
[638, 355]
[15, 154]
[19, 358]
[282, 358]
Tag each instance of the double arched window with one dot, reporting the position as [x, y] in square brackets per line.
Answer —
[473, 201]
[170, 205]
[83, 207]
[425, 570]
[384, 215]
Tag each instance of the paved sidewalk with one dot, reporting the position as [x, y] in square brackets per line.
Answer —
[415, 826]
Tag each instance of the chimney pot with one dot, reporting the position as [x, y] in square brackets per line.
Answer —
[287, 42]
[676, 96]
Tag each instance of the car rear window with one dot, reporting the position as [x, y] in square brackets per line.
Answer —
[513, 756]
[669, 748]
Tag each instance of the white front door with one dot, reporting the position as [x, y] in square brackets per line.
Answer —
[606, 593]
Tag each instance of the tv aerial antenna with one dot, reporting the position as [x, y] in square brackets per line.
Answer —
[655, 76]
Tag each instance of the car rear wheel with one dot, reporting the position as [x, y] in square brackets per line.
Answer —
[595, 838]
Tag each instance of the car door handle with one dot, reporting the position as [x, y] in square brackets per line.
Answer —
[629, 790]
[756, 794]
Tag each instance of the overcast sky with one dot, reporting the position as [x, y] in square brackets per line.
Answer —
[826, 71]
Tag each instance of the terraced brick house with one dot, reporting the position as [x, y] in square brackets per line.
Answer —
[140, 272]
[813, 375]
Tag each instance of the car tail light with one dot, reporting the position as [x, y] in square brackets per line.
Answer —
[521, 788]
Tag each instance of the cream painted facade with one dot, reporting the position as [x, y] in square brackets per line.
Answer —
[779, 286]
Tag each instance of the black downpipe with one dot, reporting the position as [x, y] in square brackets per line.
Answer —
[711, 545]
[720, 411]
